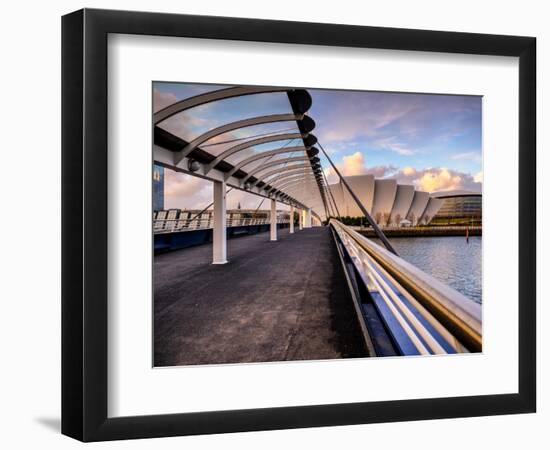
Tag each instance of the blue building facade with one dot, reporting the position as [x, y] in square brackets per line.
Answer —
[158, 188]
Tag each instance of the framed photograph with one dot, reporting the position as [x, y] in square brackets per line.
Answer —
[273, 225]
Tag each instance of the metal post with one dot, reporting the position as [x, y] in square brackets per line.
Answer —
[291, 225]
[219, 235]
[273, 221]
[307, 223]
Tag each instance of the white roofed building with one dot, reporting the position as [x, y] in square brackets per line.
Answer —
[388, 202]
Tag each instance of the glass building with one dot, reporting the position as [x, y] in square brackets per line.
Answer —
[461, 207]
[158, 188]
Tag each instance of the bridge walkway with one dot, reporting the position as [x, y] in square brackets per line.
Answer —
[273, 301]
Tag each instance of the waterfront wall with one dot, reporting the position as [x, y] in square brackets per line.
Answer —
[422, 231]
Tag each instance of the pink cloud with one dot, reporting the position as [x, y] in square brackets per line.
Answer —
[430, 179]
[184, 191]
[354, 164]
[162, 99]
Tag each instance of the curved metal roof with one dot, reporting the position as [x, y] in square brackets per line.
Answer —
[456, 193]
[233, 146]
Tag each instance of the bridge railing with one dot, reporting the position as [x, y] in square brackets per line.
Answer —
[201, 223]
[421, 314]
[423, 227]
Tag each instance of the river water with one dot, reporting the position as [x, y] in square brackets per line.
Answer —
[449, 259]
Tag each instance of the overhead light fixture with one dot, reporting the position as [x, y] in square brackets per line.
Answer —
[193, 165]
[313, 151]
[310, 141]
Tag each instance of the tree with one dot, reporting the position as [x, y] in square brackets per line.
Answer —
[412, 218]
[378, 217]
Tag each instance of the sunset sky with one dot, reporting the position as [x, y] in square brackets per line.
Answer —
[430, 141]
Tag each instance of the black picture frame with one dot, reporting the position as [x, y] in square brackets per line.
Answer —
[84, 224]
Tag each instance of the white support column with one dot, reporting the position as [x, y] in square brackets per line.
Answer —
[307, 223]
[301, 218]
[219, 237]
[273, 221]
[291, 225]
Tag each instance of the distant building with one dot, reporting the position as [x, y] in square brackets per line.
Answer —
[390, 204]
[459, 208]
[158, 188]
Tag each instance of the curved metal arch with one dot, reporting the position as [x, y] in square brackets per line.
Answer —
[285, 169]
[248, 144]
[278, 151]
[289, 189]
[286, 174]
[278, 162]
[222, 94]
[290, 183]
[284, 186]
[287, 177]
[233, 126]
[301, 184]
[208, 97]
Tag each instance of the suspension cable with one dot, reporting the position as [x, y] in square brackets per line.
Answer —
[372, 223]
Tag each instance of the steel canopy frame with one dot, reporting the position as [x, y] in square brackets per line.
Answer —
[299, 109]
[291, 187]
[286, 169]
[231, 127]
[164, 157]
[277, 162]
[252, 143]
[285, 175]
[299, 99]
[202, 99]
[262, 155]
[286, 183]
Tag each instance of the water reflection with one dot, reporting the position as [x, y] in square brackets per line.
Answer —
[449, 259]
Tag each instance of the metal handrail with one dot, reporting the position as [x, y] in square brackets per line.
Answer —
[175, 225]
[416, 227]
[459, 315]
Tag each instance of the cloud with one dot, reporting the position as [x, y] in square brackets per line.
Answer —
[381, 171]
[403, 124]
[350, 119]
[354, 164]
[162, 99]
[437, 179]
[187, 124]
[390, 143]
[186, 191]
[429, 179]
[470, 156]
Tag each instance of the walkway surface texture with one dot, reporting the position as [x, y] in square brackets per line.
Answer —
[273, 301]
